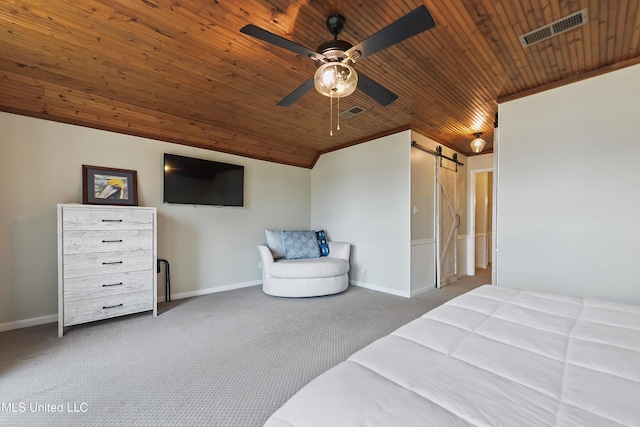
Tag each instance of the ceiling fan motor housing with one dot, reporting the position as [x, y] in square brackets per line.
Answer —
[334, 50]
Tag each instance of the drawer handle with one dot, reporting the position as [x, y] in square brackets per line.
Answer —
[110, 263]
[111, 220]
[113, 284]
[112, 241]
[105, 307]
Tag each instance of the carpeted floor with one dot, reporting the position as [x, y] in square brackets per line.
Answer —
[225, 359]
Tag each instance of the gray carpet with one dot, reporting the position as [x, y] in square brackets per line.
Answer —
[226, 359]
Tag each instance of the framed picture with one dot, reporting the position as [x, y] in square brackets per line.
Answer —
[109, 186]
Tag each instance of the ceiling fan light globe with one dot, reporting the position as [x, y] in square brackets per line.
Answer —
[329, 77]
[335, 79]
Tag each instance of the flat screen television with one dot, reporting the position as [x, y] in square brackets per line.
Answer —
[202, 182]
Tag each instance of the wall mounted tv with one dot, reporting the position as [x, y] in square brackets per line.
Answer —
[202, 182]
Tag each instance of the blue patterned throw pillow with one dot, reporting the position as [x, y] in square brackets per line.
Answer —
[322, 243]
[275, 242]
[300, 244]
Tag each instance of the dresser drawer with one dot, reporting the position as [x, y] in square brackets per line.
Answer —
[107, 219]
[93, 264]
[83, 241]
[88, 310]
[80, 288]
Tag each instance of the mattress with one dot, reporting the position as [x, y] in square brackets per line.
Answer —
[495, 356]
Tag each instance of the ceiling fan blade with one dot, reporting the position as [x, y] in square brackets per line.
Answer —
[297, 94]
[376, 91]
[276, 40]
[413, 23]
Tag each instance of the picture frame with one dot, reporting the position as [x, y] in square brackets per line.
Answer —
[109, 186]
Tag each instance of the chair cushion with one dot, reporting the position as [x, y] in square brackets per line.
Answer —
[309, 268]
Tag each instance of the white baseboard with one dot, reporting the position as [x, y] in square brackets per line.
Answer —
[423, 289]
[25, 323]
[380, 289]
[213, 290]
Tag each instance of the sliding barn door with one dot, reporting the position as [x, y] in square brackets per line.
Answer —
[447, 223]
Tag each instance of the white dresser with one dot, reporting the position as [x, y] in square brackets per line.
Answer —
[106, 262]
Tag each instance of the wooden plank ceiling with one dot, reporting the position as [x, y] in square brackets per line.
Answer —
[181, 71]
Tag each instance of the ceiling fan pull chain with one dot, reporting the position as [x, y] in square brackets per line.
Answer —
[331, 115]
[338, 115]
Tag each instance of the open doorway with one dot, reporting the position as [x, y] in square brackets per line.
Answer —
[481, 187]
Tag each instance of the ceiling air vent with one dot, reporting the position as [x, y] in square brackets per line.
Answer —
[560, 26]
[352, 112]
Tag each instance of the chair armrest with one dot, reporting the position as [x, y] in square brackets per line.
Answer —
[339, 250]
[265, 254]
[267, 260]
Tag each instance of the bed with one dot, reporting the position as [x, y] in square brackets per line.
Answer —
[495, 356]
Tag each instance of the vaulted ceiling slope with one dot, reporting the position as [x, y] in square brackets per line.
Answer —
[181, 70]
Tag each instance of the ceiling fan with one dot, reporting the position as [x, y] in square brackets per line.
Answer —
[335, 75]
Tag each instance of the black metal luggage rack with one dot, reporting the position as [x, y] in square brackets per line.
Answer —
[167, 279]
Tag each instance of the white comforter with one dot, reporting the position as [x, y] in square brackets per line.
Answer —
[495, 356]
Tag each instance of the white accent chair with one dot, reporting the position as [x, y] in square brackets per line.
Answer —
[307, 277]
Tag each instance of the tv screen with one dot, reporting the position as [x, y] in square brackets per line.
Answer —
[202, 182]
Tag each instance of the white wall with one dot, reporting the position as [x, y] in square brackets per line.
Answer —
[423, 201]
[209, 248]
[569, 189]
[481, 162]
[361, 195]
[423, 197]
